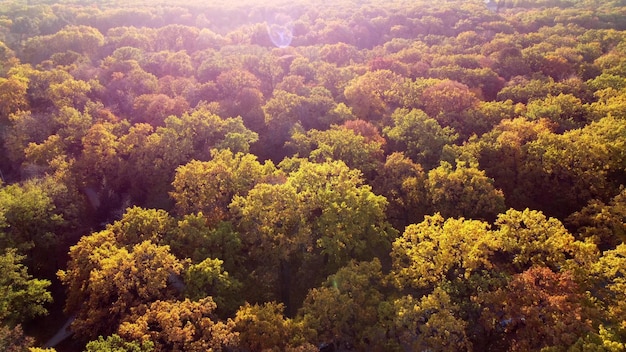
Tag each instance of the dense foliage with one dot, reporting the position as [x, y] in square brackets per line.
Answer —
[369, 175]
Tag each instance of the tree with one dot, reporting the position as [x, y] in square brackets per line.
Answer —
[13, 96]
[565, 110]
[124, 80]
[21, 296]
[115, 343]
[539, 308]
[106, 283]
[81, 39]
[209, 279]
[265, 328]
[70, 93]
[281, 114]
[326, 217]
[152, 161]
[209, 186]
[501, 153]
[602, 223]
[609, 281]
[155, 108]
[465, 191]
[138, 225]
[529, 238]
[373, 95]
[29, 222]
[420, 137]
[100, 164]
[339, 143]
[181, 326]
[446, 101]
[197, 240]
[344, 311]
[568, 170]
[403, 183]
[440, 249]
[176, 37]
[14, 340]
[451, 249]
[430, 323]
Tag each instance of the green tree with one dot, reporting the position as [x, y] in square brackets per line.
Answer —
[326, 216]
[501, 153]
[403, 183]
[208, 279]
[420, 137]
[609, 281]
[22, 297]
[339, 143]
[30, 222]
[81, 39]
[430, 323]
[115, 343]
[153, 156]
[568, 170]
[197, 240]
[345, 309]
[602, 223]
[281, 115]
[565, 110]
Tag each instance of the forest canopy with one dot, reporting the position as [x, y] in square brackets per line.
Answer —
[313, 176]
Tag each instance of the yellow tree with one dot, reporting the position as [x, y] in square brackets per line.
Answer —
[464, 191]
[209, 186]
[265, 328]
[13, 95]
[106, 283]
[439, 249]
[181, 326]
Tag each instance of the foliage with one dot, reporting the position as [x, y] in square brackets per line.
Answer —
[23, 297]
[181, 325]
[463, 191]
[344, 311]
[265, 328]
[14, 340]
[176, 153]
[420, 137]
[115, 343]
[209, 187]
[106, 282]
